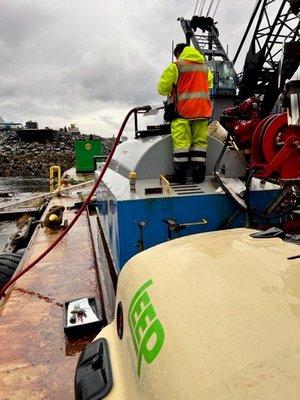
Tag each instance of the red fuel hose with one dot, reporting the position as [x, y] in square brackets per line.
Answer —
[82, 208]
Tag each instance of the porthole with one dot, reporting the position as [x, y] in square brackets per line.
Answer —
[120, 320]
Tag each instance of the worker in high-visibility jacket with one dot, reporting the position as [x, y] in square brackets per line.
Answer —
[186, 82]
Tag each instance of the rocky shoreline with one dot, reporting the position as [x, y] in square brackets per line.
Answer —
[19, 157]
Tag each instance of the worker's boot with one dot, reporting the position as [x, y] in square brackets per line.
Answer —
[180, 170]
[199, 170]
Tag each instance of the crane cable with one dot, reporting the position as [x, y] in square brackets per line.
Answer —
[199, 8]
[200, 11]
[210, 7]
[196, 6]
[216, 9]
[254, 13]
[82, 208]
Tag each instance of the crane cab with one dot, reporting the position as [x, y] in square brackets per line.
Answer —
[225, 82]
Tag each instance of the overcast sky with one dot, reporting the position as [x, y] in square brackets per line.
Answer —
[89, 61]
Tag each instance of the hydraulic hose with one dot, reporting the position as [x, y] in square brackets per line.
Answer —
[82, 208]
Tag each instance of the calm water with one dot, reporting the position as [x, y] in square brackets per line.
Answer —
[16, 185]
[19, 189]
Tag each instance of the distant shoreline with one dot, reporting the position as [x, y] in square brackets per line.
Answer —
[33, 158]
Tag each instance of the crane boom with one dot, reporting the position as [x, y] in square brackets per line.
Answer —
[277, 27]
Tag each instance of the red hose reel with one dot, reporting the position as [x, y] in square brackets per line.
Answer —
[275, 149]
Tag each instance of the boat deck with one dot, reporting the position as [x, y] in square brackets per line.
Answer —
[37, 360]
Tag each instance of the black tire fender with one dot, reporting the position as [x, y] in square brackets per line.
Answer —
[8, 265]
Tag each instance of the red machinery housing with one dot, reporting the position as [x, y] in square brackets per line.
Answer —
[274, 145]
[275, 149]
[242, 120]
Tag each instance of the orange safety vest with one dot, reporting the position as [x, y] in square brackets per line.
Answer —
[192, 93]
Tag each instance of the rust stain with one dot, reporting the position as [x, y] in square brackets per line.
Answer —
[75, 346]
[40, 296]
[37, 360]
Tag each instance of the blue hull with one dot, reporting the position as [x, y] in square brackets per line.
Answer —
[120, 218]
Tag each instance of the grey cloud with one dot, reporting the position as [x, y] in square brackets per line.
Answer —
[124, 80]
[21, 20]
[66, 60]
[8, 88]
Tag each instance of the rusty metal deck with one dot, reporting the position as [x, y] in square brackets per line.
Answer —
[37, 361]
